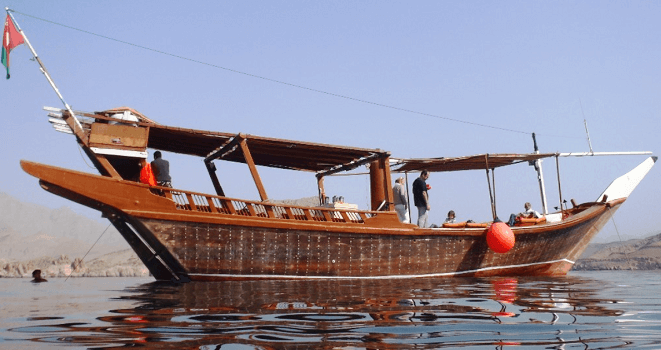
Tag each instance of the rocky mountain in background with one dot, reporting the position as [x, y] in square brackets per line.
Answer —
[56, 240]
[122, 263]
[33, 236]
[635, 254]
[20, 219]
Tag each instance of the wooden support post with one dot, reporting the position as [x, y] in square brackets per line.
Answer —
[251, 209]
[100, 162]
[212, 207]
[191, 202]
[269, 211]
[327, 215]
[211, 168]
[557, 166]
[389, 196]
[227, 204]
[253, 169]
[377, 186]
[322, 191]
[290, 214]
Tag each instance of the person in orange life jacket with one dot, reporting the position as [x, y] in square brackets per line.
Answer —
[146, 173]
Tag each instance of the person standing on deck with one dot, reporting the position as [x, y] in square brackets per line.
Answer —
[161, 169]
[421, 198]
[401, 201]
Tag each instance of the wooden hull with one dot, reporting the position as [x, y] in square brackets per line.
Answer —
[211, 252]
[176, 242]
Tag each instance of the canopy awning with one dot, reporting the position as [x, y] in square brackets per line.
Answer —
[476, 162]
[265, 151]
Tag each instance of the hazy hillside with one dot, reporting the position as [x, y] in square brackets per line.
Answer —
[54, 241]
[635, 254]
[29, 231]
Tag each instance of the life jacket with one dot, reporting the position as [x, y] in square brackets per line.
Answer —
[147, 176]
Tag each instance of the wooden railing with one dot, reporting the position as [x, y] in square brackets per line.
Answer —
[198, 202]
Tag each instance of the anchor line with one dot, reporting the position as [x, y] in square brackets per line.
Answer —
[81, 260]
[355, 99]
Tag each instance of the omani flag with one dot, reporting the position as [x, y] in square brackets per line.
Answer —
[10, 39]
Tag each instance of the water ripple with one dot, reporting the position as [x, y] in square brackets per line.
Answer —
[574, 312]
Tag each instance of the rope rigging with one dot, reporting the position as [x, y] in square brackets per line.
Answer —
[284, 82]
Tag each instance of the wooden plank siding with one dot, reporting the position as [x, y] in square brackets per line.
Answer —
[232, 251]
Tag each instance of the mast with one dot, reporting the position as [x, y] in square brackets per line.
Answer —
[540, 176]
[100, 161]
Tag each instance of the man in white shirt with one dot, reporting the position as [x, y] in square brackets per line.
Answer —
[401, 200]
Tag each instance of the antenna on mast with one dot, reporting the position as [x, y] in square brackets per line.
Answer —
[585, 122]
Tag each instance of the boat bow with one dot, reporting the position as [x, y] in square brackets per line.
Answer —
[625, 184]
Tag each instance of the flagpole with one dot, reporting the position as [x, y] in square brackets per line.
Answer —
[100, 161]
[78, 128]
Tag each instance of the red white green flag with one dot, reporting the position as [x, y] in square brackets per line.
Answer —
[10, 39]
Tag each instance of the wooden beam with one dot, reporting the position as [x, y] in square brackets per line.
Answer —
[222, 150]
[211, 168]
[253, 169]
[76, 127]
[107, 166]
[351, 165]
[101, 163]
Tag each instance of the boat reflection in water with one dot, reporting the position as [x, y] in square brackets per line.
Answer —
[363, 314]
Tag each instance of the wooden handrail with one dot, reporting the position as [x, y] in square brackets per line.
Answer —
[185, 200]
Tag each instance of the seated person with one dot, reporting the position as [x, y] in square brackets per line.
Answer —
[451, 221]
[451, 217]
[146, 173]
[529, 213]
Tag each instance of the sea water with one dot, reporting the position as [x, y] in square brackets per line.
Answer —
[584, 310]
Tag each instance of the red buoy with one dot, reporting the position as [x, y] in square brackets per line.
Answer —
[500, 237]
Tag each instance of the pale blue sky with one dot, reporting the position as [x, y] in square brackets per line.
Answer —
[520, 65]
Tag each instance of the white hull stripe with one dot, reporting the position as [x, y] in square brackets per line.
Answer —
[380, 277]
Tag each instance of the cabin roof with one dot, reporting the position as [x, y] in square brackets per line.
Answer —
[475, 162]
[298, 155]
[265, 151]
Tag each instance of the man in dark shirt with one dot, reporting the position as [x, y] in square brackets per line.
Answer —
[161, 169]
[420, 197]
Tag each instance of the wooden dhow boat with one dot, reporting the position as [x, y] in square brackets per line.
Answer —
[187, 236]
[182, 235]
